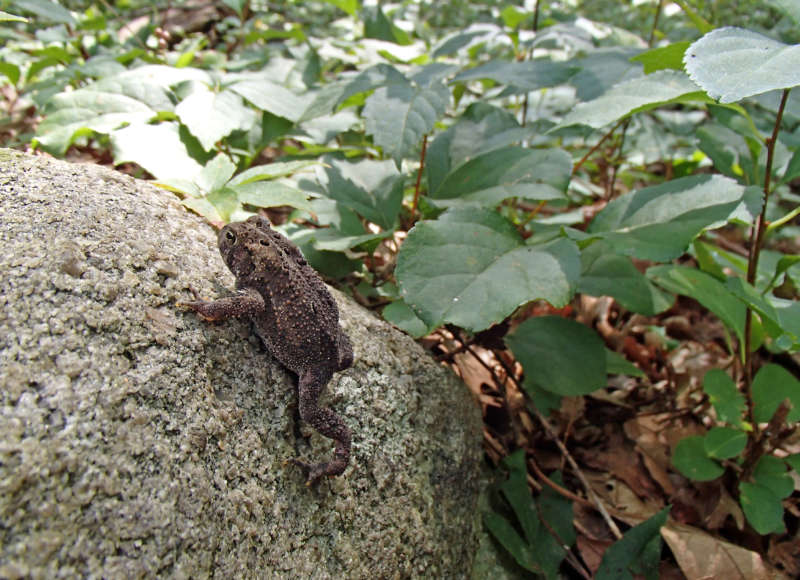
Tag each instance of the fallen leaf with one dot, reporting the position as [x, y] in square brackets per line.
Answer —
[702, 556]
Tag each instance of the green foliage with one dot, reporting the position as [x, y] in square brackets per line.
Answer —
[536, 549]
[496, 145]
[638, 552]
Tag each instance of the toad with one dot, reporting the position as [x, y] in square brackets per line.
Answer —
[295, 315]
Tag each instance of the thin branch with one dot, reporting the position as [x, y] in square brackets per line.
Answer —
[756, 241]
[596, 146]
[419, 174]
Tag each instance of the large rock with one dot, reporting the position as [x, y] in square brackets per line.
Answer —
[137, 441]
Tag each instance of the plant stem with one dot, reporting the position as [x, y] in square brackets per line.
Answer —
[756, 241]
[419, 175]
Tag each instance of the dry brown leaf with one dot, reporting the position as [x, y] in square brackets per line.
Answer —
[702, 556]
[786, 554]
[592, 551]
[627, 505]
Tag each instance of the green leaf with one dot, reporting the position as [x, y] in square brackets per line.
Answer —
[639, 548]
[528, 75]
[731, 64]
[215, 173]
[616, 364]
[6, 17]
[157, 148]
[728, 402]
[793, 461]
[560, 355]
[350, 6]
[399, 314]
[471, 268]
[271, 194]
[47, 11]
[659, 222]
[762, 508]
[691, 460]
[373, 189]
[272, 170]
[11, 71]
[752, 298]
[771, 473]
[602, 68]
[704, 288]
[399, 115]
[211, 116]
[633, 96]
[492, 177]
[482, 128]
[724, 442]
[271, 97]
[771, 385]
[608, 274]
[507, 536]
[663, 57]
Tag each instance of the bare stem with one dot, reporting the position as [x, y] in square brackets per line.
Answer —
[756, 242]
[419, 174]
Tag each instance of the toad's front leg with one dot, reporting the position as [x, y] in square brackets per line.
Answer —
[326, 422]
[245, 302]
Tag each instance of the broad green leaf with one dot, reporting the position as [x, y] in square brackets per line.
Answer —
[271, 194]
[771, 385]
[399, 314]
[350, 6]
[731, 64]
[793, 461]
[492, 177]
[397, 116]
[602, 68]
[529, 75]
[11, 71]
[704, 288]
[272, 97]
[559, 355]
[663, 57]
[211, 116]
[216, 173]
[157, 148]
[471, 268]
[6, 17]
[85, 111]
[639, 550]
[659, 222]
[724, 442]
[762, 508]
[752, 298]
[271, 171]
[377, 25]
[616, 364]
[771, 473]
[609, 274]
[456, 41]
[509, 538]
[728, 402]
[691, 459]
[46, 10]
[633, 96]
[482, 128]
[373, 189]
[789, 317]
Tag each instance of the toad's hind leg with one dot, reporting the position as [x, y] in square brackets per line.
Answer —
[327, 423]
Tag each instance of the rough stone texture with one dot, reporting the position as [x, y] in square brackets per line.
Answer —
[137, 441]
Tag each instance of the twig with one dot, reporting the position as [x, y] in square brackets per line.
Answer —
[756, 241]
[419, 174]
[596, 146]
[587, 486]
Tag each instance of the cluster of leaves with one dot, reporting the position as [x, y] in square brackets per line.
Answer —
[480, 139]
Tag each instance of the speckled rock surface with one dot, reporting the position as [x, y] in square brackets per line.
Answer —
[137, 441]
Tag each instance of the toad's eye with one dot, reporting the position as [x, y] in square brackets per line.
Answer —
[263, 242]
[230, 236]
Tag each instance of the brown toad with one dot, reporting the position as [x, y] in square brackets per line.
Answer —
[296, 317]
